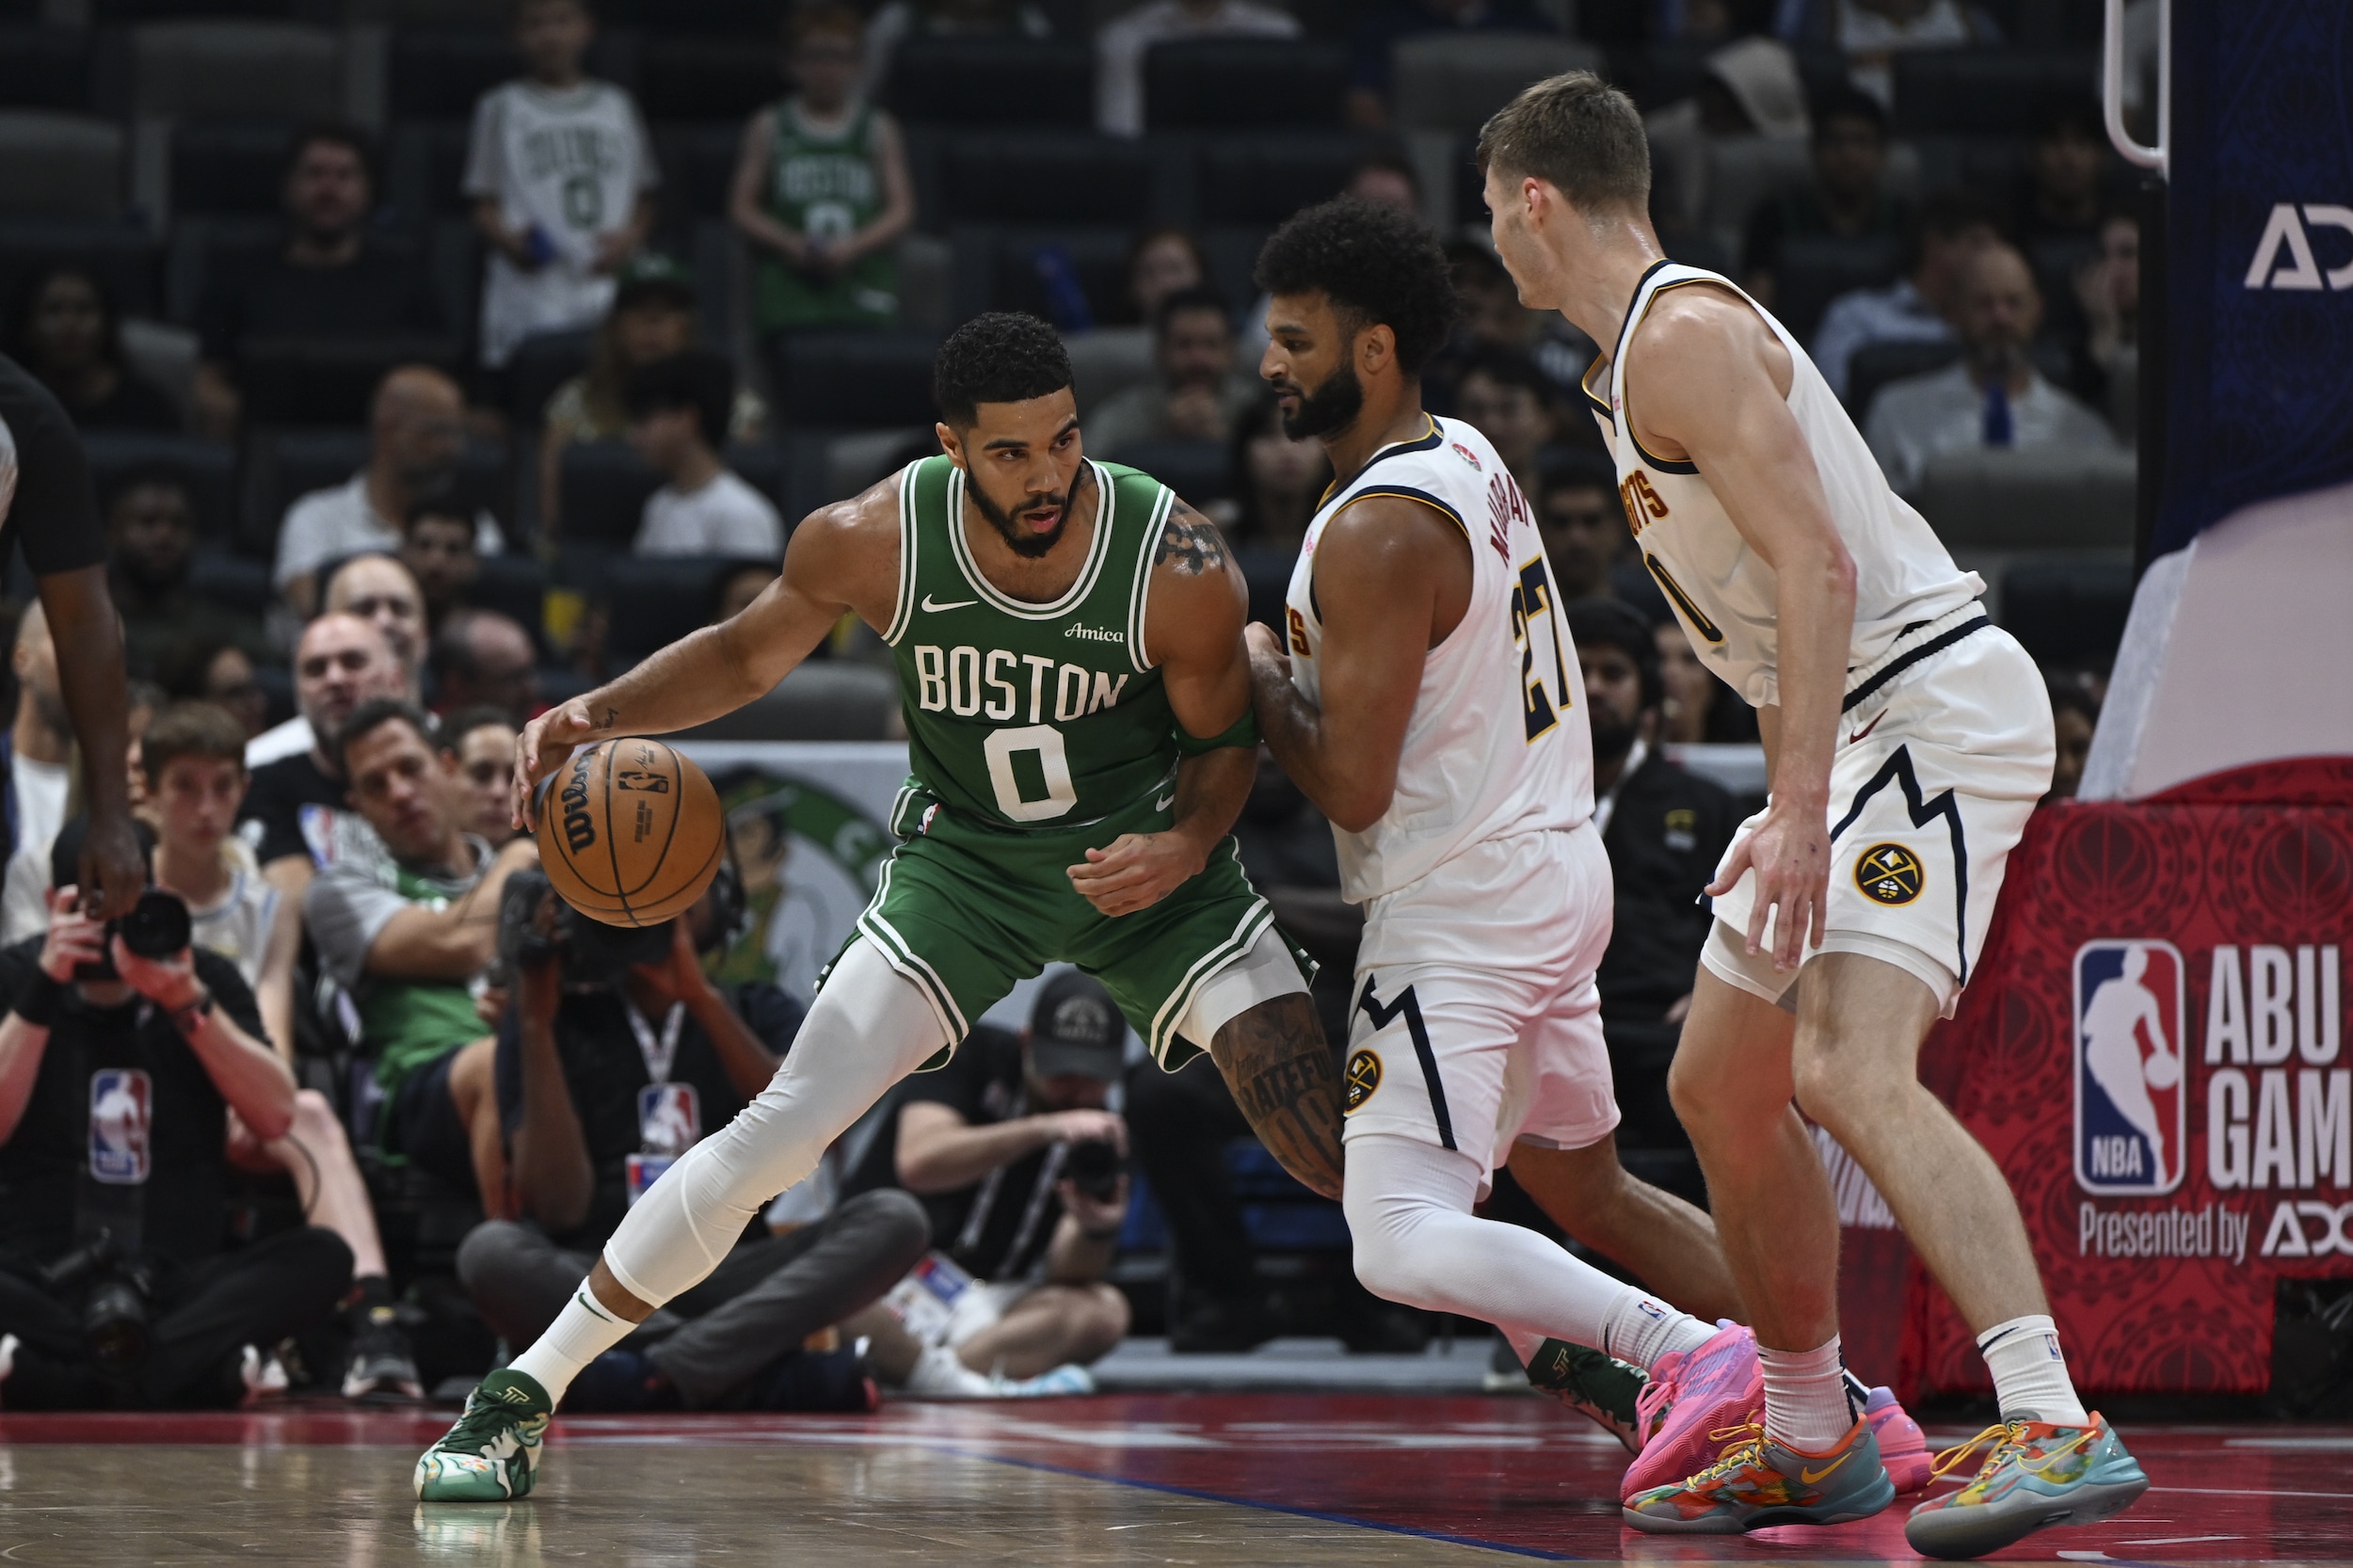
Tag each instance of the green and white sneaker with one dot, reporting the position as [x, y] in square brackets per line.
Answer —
[1594, 1385]
[492, 1454]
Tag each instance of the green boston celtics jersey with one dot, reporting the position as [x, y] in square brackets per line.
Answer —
[824, 185]
[1031, 716]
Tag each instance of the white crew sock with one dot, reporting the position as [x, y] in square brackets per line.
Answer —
[1641, 1328]
[581, 1333]
[2031, 1381]
[1807, 1406]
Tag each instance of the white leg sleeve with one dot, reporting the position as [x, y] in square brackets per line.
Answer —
[1408, 1205]
[869, 1029]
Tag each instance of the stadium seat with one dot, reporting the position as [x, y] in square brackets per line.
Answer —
[45, 67]
[438, 72]
[710, 77]
[1745, 172]
[1232, 252]
[698, 164]
[1818, 269]
[856, 380]
[1454, 81]
[826, 699]
[1989, 164]
[1198, 471]
[315, 382]
[2000, 91]
[1205, 84]
[120, 250]
[235, 582]
[1262, 180]
[602, 492]
[192, 70]
[515, 586]
[1044, 177]
[661, 599]
[229, 167]
[1107, 360]
[200, 244]
[56, 165]
[996, 268]
[993, 81]
[425, 170]
[1873, 368]
[209, 469]
[2042, 498]
[2067, 612]
[541, 364]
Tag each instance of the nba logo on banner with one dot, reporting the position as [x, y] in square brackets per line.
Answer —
[121, 1105]
[2131, 1113]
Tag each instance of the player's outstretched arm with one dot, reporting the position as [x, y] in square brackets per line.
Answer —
[1392, 579]
[1715, 382]
[1192, 632]
[841, 558]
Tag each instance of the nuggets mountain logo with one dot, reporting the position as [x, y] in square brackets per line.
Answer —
[2132, 1131]
[1364, 1076]
[1889, 873]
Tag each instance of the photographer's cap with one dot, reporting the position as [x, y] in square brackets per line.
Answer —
[65, 852]
[1075, 1027]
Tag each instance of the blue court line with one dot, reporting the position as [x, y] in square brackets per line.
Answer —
[1276, 1507]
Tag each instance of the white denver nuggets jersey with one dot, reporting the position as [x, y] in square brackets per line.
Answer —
[1498, 743]
[1722, 591]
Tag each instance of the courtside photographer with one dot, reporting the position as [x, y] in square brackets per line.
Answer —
[123, 1050]
[617, 1056]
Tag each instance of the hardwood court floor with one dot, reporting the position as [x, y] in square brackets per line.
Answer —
[1238, 1481]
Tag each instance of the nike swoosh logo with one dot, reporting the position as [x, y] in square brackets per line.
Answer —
[1850, 740]
[1164, 802]
[959, 604]
[1810, 1477]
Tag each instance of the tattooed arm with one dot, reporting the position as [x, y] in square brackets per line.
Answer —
[1281, 1071]
[1193, 633]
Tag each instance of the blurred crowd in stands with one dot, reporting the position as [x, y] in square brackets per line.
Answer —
[439, 358]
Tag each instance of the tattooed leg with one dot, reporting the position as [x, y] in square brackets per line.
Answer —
[1279, 1067]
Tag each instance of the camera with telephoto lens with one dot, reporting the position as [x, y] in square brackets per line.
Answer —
[156, 928]
[1094, 1167]
[592, 953]
[116, 1323]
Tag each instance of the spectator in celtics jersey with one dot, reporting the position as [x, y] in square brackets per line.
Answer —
[561, 175]
[820, 187]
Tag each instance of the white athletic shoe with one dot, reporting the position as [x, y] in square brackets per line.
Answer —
[941, 1374]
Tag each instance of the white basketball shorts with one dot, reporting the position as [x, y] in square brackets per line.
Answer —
[1935, 776]
[1475, 1022]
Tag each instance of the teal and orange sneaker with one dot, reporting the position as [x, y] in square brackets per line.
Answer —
[492, 1454]
[1758, 1483]
[2036, 1474]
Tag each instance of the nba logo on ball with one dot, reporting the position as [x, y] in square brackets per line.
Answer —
[2131, 1118]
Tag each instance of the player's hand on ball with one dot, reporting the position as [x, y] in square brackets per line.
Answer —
[1136, 873]
[547, 741]
[1790, 854]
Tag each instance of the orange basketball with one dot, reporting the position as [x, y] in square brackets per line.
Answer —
[631, 832]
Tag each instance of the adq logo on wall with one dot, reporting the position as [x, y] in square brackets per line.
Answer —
[2283, 257]
[2131, 1123]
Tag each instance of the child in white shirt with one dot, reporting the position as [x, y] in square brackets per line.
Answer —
[678, 419]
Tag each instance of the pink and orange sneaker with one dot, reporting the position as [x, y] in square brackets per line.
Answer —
[1715, 1389]
[1903, 1447]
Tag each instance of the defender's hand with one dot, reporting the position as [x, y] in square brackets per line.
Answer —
[1790, 854]
[1137, 872]
[112, 864]
[546, 744]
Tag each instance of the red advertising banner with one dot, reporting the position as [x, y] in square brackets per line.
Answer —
[2153, 1049]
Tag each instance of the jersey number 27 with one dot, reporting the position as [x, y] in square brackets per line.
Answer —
[1531, 607]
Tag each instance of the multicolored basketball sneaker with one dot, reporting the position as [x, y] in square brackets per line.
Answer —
[2036, 1474]
[1598, 1387]
[492, 1453]
[1759, 1484]
[1903, 1447]
[1715, 1389]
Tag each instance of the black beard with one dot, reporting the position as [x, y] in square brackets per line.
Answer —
[1018, 539]
[1330, 407]
[1612, 737]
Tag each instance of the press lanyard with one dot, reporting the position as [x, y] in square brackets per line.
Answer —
[1607, 805]
[662, 1053]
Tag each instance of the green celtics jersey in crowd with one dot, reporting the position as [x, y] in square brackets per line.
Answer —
[1031, 716]
[824, 185]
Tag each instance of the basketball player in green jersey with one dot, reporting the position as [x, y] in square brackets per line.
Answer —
[1068, 636]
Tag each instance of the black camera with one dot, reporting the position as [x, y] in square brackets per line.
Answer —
[592, 952]
[156, 928]
[1094, 1167]
[116, 1324]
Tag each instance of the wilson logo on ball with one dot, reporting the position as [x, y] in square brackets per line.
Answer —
[579, 828]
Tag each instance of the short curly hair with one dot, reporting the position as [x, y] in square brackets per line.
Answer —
[1376, 263]
[1003, 357]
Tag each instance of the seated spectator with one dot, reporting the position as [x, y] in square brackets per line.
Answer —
[1493, 317]
[738, 588]
[678, 421]
[1749, 89]
[380, 591]
[1699, 708]
[1583, 526]
[437, 546]
[409, 933]
[1384, 22]
[481, 741]
[326, 281]
[652, 318]
[417, 429]
[2107, 291]
[897, 21]
[129, 1070]
[821, 188]
[1120, 48]
[66, 330]
[1869, 33]
[987, 1143]
[38, 818]
[193, 755]
[151, 537]
[616, 1057]
[1196, 391]
[1162, 261]
[288, 816]
[1918, 307]
[224, 675]
[1994, 397]
[1280, 481]
[2075, 717]
[2058, 205]
[1847, 198]
[1506, 397]
[482, 658]
[561, 175]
